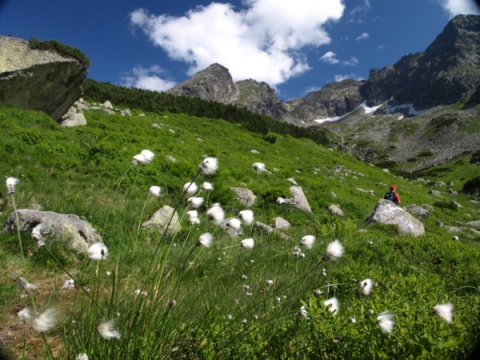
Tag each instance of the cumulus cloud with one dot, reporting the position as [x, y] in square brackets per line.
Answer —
[330, 58]
[340, 77]
[363, 36]
[147, 78]
[352, 62]
[456, 7]
[264, 40]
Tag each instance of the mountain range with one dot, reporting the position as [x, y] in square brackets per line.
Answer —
[435, 94]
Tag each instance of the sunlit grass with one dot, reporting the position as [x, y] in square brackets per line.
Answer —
[162, 295]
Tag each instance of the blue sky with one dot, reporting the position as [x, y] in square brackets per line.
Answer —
[296, 46]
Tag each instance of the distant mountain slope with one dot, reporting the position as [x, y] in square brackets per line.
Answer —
[442, 84]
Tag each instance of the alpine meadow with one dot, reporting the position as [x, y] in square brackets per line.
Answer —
[223, 279]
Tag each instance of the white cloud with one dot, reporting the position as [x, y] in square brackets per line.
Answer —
[352, 62]
[329, 58]
[340, 77]
[363, 36]
[148, 79]
[264, 41]
[456, 7]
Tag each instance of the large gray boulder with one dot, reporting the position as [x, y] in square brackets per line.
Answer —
[387, 212]
[298, 199]
[166, 216]
[38, 79]
[49, 225]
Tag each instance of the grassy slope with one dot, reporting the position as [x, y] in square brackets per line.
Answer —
[87, 171]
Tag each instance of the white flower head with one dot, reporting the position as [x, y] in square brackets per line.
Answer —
[68, 284]
[37, 234]
[155, 190]
[11, 183]
[269, 282]
[247, 243]
[246, 216]
[303, 313]
[207, 186]
[97, 251]
[332, 304]
[205, 239]
[144, 158]
[195, 202]
[234, 224]
[190, 188]
[25, 285]
[45, 321]
[444, 311]
[386, 322]
[308, 241]
[216, 214]
[334, 251]
[107, 330]
[25, 315]
[366, 286]
[208, 166]
[192, 214]
[82, 356]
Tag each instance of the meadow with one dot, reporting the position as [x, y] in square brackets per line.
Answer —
[347, 291]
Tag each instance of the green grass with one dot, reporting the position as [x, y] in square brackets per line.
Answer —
[87, 171]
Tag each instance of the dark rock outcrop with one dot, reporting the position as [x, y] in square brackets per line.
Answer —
[38, 79]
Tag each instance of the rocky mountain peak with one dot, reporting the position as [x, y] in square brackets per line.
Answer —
[213, 83]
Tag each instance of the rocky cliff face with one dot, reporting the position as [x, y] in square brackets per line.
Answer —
[441, 75]
[214, 84]
[38, 79]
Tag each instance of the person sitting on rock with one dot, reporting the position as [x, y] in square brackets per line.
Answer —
[392, 195]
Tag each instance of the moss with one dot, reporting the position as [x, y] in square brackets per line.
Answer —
[59, 48]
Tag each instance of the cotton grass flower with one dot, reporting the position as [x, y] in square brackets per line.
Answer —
[195, 201]
[444, 312]
[45, 321]
[234, 224]
[25, 285]
[97, 251]
[332, 304]
[386, 322]
[366, 286]
[192, 216]
[144, 158]
[208, 166]
[107, 330]
[334, 251]
[205, 240]
[68, 284]
[206, 186]
[190, 188]
[11, 183]
[308, 241]
[37, 234]
[303, 313]
[216, 214]
[82, 356]
[246, 216]
[155, 191]
[25, 315]
[247, 243]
